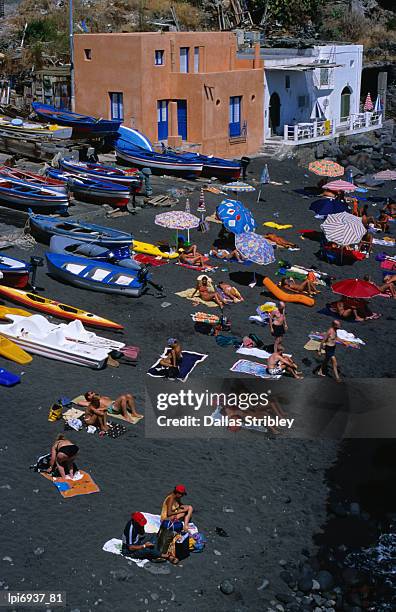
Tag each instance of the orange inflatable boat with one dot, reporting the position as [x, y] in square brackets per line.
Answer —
[287, 297]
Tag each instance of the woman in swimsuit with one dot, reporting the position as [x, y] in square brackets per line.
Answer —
[63, 454]
[226, 254]
[174, 356]
[305, 287]
[173, 509]
[190, 255]
[279, 241]
[206, 294]
[231, 292]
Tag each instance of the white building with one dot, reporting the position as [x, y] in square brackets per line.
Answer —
[313, 94]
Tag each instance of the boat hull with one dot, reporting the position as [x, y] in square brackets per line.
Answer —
[82, 125]
[100, 172]
[18, 280]
[159, 166]
[226, 173]
[95, 195]
[35, 179]
[68, 246]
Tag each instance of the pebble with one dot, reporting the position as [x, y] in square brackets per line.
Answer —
[248, 529]
[39, 551]
[217, 552]
[6, 486]
[227, 587]
[98, 602]
[154, 596]
[282, 562]
[263, 585]
[228, 509]
[315, 585]
[8, 559]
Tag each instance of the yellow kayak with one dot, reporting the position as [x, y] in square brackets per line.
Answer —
[10, 350]
[151, 249]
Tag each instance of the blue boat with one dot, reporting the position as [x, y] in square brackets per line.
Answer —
[16, 193]
[8, 379]
[71, 246]
[102, 172]
[92, 190]
[129, 151]
[97, 276]
[83, 125]
[43, 227]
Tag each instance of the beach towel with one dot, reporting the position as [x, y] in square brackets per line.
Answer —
[187, 293]
[205, 268]
[253, 352]
[245, 262]
[189, 361]
[343, 337]
[384, 241]
[277, 226]
[151, 259]
[312, 345]
[70, 488]
[203, 317]
[243, 366]
[114, 545]
[76, 413]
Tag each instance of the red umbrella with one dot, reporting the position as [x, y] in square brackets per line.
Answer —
[356, 288]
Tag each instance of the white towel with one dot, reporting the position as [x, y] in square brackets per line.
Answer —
[253, 352]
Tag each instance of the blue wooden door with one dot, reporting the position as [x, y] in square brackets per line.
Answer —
[162, 119]
[182, 118]
[235, 116]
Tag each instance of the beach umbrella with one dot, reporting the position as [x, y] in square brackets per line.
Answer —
[328, 206]
[238, 187]
[378, 108]
[340, 186]
[326, 167]
[355, 288]
[368, 105]
[178, 220]
[188, 207]
[255, 248]
[343, 228]
[235, 217]
[264, 180]
[201, 203]
[318, 112]
[386, 175]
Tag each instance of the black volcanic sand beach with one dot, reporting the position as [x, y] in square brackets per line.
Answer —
[276, 488]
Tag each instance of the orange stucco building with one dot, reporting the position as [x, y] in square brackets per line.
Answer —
[174, 87]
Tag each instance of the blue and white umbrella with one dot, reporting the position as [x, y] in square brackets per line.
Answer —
[238, 187]
[378, 108]
[328, 206]
[235, 217]
[255, 248]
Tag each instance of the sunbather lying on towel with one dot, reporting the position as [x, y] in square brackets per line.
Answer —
[174, 355]
[306, 286]
[173, 509]
[124, 404]
[63, 454]
[230, 291]
[205, 292]
[282, 242]
[226, 254]
[355, 308]
[278, 363]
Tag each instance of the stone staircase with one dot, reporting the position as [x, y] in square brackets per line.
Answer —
[274, 148]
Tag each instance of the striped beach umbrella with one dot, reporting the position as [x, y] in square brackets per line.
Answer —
[178, 220]
[235, 217]
[326, 167]
[368, 105]
[339, 186]
[386, 175]
[201, 203]
[238, 187]
[378, 107]
[343, 229]
[255, 248]
[188, 207]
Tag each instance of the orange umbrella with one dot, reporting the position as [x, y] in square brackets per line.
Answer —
[326, 167]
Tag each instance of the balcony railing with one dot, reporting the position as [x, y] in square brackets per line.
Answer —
[321, 130]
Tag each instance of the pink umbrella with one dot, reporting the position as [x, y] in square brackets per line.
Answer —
[386, 175]
[340, 186]
[368, 105]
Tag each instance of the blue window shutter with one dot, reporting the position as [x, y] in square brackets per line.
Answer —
[235, 116]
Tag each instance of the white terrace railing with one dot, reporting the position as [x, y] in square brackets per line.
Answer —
[323, 129]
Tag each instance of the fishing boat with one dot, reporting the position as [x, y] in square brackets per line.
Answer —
[96, 276]
[71, 246]
[14, 272]
[83, 125]
[36, 179]
[132, 147]
[8, 379]
[70, 342]
[43, 227]
[159, 163]
[21, 127]
[52, 307]
[92, 190]
[13, 352]
[15, 193]
[102, 172]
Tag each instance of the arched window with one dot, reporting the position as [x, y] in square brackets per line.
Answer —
[345, 103]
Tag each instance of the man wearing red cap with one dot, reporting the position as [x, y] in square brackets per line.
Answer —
[135, 542]
[173, 509]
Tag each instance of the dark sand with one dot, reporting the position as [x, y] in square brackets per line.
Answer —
[249, 473]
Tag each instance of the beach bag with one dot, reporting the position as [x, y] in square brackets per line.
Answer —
[196, 543]
[166, 533]
[42, 464]
[182, 549]
[258, 343]
[228, 341]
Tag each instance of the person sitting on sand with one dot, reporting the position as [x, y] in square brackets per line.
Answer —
[387, 287]
[278, 363]
[124, 404]
[174, 355]
[63, 454]
[135, 542]
[356, 308]
[366, 243]
[390, 208]
[279, 241]
[306, 286]
[95, 415]
[383, 221]
[366, 219]
[206, 293]
[189, 254]
[226, 254]
[230, 292]
[173, 509]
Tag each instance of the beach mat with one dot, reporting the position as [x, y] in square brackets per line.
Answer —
[150, 259]
[197, 268]
[72, 488]
[186, 294]
[80, 398]
[312, 345]
[190, 360]
[243, 366]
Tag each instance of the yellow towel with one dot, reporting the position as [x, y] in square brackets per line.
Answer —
[187, 293]
[276, 225]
